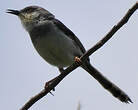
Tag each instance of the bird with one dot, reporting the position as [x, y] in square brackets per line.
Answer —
[59, 46]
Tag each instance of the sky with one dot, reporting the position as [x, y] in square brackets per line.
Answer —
[23, 72]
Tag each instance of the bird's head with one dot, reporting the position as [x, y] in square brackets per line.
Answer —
[32, 16]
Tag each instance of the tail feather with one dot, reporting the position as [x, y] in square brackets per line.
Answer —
[112, 88]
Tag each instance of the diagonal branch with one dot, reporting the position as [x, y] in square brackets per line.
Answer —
[98, 45]
[112, 31]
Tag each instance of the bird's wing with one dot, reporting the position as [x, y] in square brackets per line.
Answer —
[69, 33]
[116, 91]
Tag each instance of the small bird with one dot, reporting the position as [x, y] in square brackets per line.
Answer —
[59, 46]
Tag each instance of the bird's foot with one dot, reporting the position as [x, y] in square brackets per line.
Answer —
[47, 84]
[77, 60]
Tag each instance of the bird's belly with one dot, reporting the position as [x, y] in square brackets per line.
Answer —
[58, 51]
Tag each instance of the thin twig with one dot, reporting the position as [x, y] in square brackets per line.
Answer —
[111, 32]
[83, 58]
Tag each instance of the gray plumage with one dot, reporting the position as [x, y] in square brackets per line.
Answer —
[58, 45]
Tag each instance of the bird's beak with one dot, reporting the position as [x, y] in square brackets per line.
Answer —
[15, 12]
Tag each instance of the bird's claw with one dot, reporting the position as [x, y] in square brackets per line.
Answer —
[51, 93]
[47, 84]
[77, 60]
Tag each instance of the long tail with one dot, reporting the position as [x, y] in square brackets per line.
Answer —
[112, 88]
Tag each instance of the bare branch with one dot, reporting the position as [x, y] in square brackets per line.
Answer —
[111, 32]
[59, 78]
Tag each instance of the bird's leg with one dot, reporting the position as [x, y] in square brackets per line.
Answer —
[77, 60]
[61, 70]
[51, 81]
